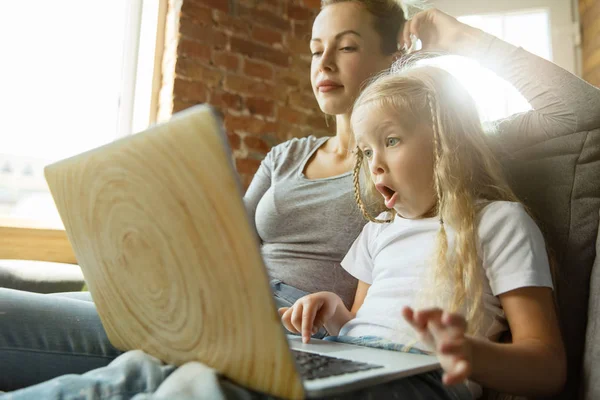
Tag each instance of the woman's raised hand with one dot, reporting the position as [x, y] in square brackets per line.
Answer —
[439, 31]
[310, 313]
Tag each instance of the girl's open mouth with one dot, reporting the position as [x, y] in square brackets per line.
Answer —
[389, 195]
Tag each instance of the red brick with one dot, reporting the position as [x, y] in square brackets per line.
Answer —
[290, 115]
[247, 165]
[300, 13]
[245, 180]
[226, 101]
[274, 5]
[180, 105]
[266, 35]
[290, 78]
[264, 17]
[286, 132]
[197, 12]
[193, 49]
[193, 70]
[234, 141]
[238, 84]
[190, 91]
[201, 33]
[244, 123]
[254, 50]
[260, 106]
[258, 69]
[297, 46]
[222, 5]
[302, 30]
[314, 4]
[301, 100]
[232, 24]
[318, 122]
[226, 60]
[256, 144]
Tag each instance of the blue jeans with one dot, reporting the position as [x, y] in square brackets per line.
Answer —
[136, 375]
[43, 336]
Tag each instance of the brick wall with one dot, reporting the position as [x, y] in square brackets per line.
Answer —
[589, 11]
[249, 58]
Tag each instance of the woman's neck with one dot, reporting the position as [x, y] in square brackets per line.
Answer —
[343, 134]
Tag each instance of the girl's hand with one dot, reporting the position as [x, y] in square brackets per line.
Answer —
[445, 334]
[310, 313]
[439, 31]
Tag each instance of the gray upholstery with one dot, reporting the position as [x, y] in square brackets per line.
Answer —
[559, 180]
[40, 276]
[591, 375]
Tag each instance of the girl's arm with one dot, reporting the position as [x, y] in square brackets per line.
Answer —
[534, 364]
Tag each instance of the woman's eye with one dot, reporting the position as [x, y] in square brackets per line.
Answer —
[390, 142]
[368, 153]
[348, 48]
[316, 53]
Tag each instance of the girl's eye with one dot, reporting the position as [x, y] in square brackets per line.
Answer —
[391, 141]
[348, 48]
[316, 53]
[368, 153]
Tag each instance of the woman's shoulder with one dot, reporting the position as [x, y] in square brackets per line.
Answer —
[298, 145]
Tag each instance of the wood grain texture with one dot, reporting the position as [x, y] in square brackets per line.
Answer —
[157, 224]
[20, 241]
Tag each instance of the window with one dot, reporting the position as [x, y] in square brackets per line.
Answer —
[75, 75]
[531, 24]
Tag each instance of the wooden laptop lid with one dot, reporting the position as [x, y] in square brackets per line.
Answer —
[158, 226]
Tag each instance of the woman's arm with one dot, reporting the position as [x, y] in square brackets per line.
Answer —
[562, 103]
[261, 182]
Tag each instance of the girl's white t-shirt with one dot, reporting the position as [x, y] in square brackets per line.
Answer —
[394, 259]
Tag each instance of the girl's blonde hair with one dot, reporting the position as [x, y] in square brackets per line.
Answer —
[466, 174]
[389, 19]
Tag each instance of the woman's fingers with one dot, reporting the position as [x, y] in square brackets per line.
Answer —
[406, 42]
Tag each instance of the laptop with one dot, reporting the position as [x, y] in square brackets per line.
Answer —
[158, 225]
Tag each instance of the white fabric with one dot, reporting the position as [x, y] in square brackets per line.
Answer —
[395, 257]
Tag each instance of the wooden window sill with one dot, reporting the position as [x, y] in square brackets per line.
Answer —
[24, 240]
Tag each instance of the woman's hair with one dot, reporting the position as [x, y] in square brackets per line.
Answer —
[466, 174]
[389, 19]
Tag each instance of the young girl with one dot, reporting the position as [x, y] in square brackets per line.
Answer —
[455, 242]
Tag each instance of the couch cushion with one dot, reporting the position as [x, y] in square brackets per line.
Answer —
[559, 180]
[40, 276]
[591, 358]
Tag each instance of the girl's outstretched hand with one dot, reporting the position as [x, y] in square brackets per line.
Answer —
[310, 313]
[439, 31]
[444, 333]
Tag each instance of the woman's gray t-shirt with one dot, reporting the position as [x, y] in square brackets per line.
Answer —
[306, 225]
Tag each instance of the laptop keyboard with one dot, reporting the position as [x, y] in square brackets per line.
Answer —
[315, 366]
